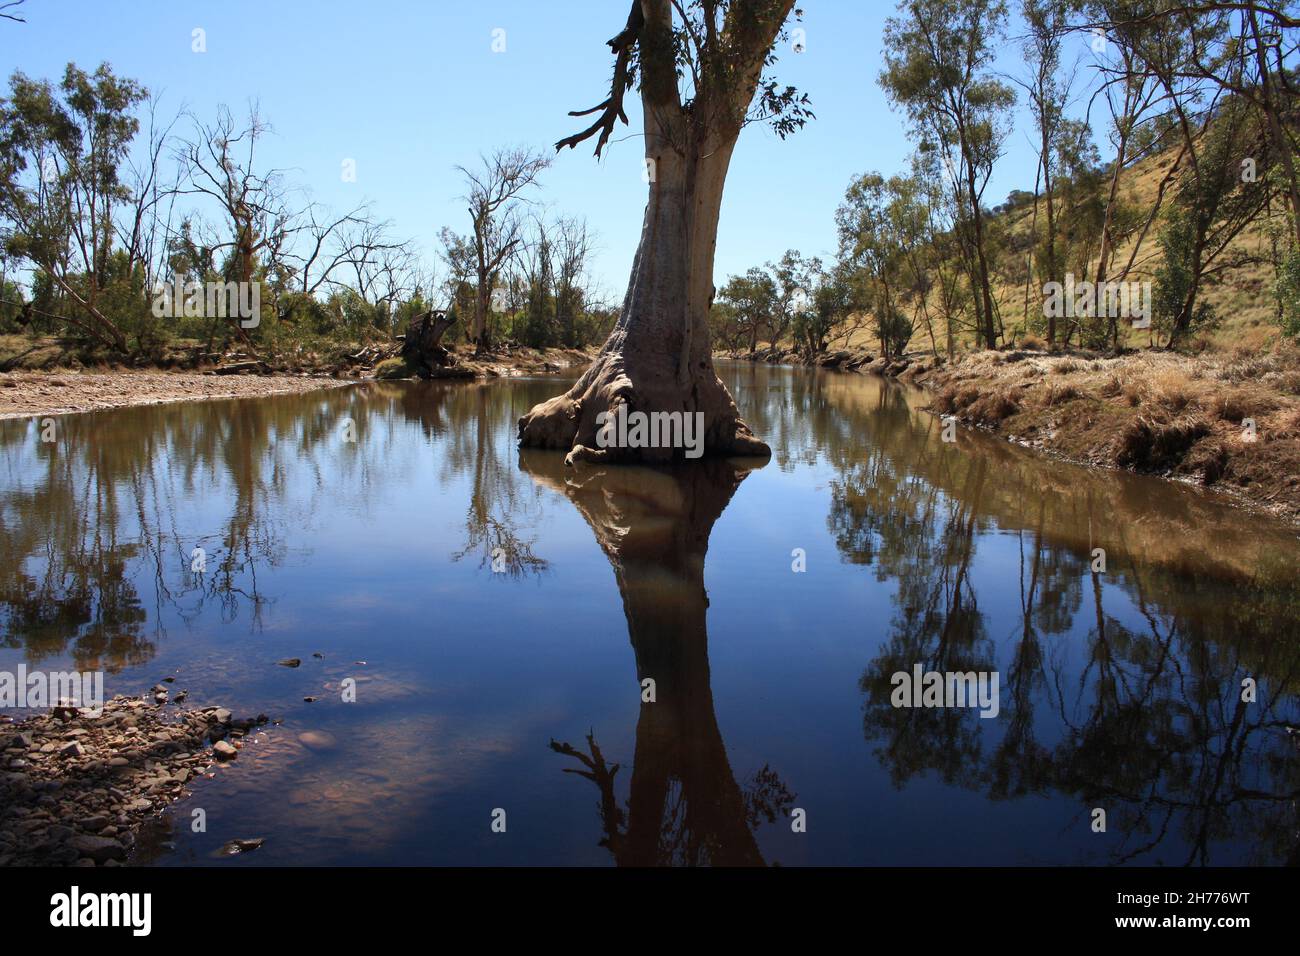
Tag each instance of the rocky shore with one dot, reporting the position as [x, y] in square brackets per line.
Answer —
[76, 788]
[27, 393]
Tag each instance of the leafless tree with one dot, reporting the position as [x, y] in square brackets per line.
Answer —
[570, 249]
[495, 198]
[147, 229]
[259, 213]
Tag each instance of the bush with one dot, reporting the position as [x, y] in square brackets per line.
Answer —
[1287, 290]
[391, 368]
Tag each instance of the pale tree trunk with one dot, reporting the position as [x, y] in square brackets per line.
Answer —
[658, 357]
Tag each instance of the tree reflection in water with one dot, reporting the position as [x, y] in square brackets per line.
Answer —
[1120, 689]
[684, 806]
[1145, 721]
[90, 522]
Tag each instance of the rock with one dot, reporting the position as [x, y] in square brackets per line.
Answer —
[60, 771]
[236, 847]
[317, 740]
[834, 359]
[289, 662]
[64, 856]
[224, 751]
[99, 849]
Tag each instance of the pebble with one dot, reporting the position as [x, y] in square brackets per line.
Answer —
[224, 751]
[317, 740]
[87, 781]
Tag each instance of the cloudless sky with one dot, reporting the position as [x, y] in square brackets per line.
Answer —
[410, 89]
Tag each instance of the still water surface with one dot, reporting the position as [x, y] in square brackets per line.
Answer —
[520, 688]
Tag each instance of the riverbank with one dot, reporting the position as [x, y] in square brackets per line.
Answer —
[76, 789]
[1228, 420]
[62, 391]
[25, 394]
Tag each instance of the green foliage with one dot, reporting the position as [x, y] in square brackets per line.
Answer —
[1174, 281]
[751, 303]
[894, 330]
[1287, 290]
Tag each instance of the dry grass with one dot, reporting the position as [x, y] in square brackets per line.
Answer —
[1068, 367]
[1149, 444]
[1060, 394]
[1147, 411]
[994, 407]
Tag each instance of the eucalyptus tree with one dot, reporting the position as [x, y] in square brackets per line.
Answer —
[701, 70]
[1047, 21]
[938, 70]
[753, 301]
[876, 224]
[63, 152]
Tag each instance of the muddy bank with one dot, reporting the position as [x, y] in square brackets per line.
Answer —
[1230, 421]
[76, 789]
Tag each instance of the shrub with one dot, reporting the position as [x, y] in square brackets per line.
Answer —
[391, 368]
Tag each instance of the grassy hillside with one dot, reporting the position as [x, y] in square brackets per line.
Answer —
[1242, 295]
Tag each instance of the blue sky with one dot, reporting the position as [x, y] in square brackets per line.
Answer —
[411, 89]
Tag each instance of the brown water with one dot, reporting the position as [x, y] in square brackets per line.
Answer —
[498, 613]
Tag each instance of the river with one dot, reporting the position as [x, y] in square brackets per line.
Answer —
[495, 615]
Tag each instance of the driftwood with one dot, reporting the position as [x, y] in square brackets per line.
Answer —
[254, 367]
[422, 347]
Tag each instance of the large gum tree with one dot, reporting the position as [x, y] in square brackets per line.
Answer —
[700, 69]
